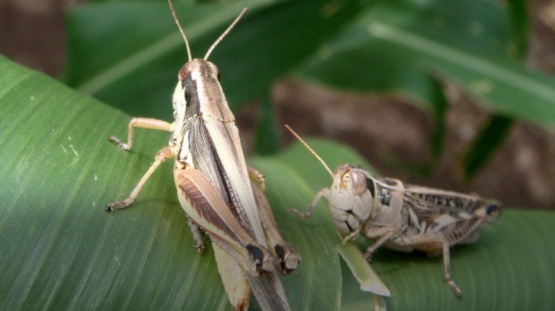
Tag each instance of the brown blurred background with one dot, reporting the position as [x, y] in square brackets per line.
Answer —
[521, 173]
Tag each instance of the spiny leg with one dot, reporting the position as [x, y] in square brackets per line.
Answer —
[447, 270]
[147, 123]
[435, 242]
[162, 155]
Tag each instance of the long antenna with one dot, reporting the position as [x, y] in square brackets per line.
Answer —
[180, 30]
[309, 149]
[224, 34]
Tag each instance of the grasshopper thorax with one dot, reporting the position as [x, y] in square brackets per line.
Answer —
[198, 94]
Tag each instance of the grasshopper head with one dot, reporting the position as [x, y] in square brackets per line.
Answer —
[351, 198]
[198, 68]
[351, 178]
[190, 76]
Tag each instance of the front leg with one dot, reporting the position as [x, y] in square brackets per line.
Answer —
[147, 123]
[351, 236]
[203, 203]
[323, 193]
[383, 234]
[432, 243]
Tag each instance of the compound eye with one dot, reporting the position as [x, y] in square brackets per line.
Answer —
[347, 178]
[358, 182]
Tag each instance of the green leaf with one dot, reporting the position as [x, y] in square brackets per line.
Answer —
[141, 68]
[60, 250]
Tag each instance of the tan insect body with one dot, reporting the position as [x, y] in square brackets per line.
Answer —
[216, 188]
[400, 216]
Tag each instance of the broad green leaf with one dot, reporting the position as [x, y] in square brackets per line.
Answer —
[128, 54]
[60, 250]
[399, 46]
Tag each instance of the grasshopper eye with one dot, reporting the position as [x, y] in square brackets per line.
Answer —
[346, 181]
[358, 182]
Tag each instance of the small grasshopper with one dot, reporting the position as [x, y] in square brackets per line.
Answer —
[216, 188]
[399, 216]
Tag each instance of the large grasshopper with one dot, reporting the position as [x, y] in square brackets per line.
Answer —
[221, 195]
[399, 216]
